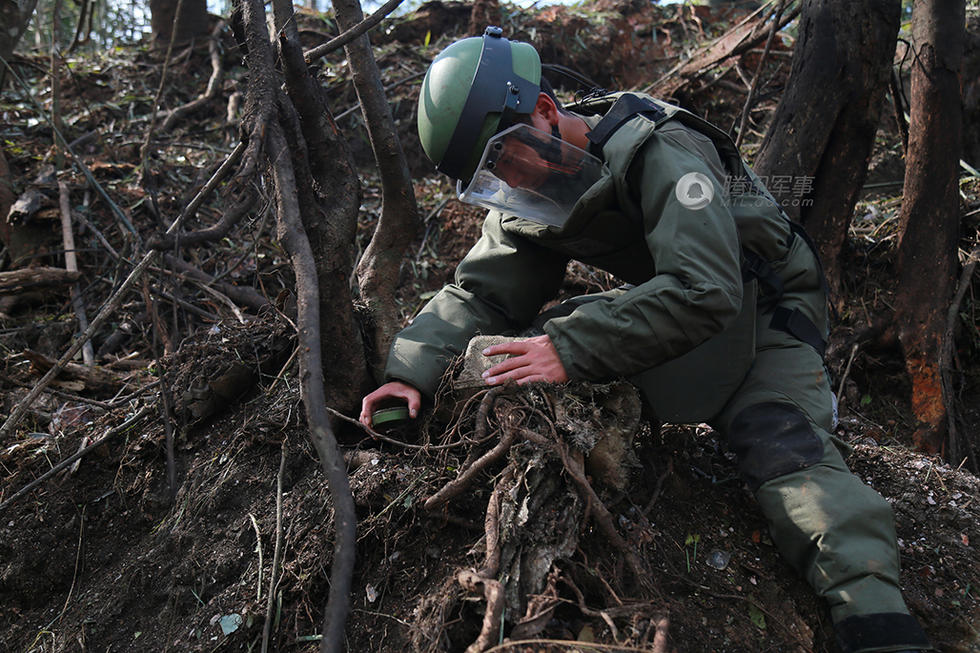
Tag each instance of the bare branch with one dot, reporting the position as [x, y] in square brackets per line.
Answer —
[229, 219]
[274, 574]
[311, 372]
[377, 271]
[349, 35]
[214, 82]
[71, 264]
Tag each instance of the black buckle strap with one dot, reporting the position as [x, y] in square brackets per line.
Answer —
[625, 108]
[756, 267]
[798, 325]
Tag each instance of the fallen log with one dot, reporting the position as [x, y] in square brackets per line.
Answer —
[738, 40]
[17, 281]
[94, 378]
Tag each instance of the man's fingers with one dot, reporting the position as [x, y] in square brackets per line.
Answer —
[390, 390]
[414, 400]
[506, 365]
[514, 374]
[515, 347]
[532, 379]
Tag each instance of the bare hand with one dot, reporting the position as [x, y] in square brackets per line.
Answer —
[390, 390]
[534, 359]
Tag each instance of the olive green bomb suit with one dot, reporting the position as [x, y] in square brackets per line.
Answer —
[697, 337]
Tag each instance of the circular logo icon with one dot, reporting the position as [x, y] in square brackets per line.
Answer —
[694, 191]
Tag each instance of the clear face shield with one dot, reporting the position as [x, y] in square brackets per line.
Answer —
[531, 174]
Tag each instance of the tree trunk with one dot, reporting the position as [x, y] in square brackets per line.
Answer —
[191, 24]
[930, 216]
[971, 90]
[7, 198]
[816, 150]
[329, 194]
[377, 271]
[292, 135]
[14, 16]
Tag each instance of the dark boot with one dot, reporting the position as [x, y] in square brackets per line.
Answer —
[876, 632]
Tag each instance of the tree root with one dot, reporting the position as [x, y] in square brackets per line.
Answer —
[511, 418]
[455, 487]
[575, 467]
[493, 591]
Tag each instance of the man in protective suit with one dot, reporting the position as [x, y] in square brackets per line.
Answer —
[724, 320]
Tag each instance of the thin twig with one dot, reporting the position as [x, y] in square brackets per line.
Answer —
[406, 445]
[244, 295]
[145, 149]
[354, 32]
[660, 486]
[956, 447]
[214, 82]
[122, 428]
[71, 264]
[456, 486]
[223, 299]
[847, 370]
[274, 574]
[258, 544]
[758, 74]
[78, 559]
[395, 84]
[571, 645]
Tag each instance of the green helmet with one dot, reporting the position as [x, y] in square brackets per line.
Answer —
[475, 88]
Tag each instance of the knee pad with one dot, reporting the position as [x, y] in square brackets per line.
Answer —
[771, 440]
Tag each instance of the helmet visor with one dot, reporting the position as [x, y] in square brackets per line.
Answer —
[531, 174]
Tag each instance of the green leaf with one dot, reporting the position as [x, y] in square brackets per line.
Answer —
[865, 400]
[755, 614]
[428, 39]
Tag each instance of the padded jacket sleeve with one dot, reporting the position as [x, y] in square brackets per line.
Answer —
[696, 290]
[499, 287]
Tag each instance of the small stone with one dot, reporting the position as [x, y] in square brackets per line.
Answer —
[719, 559]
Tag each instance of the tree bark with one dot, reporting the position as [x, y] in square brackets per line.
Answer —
[930, 216]
[191, 24]
[15, 282]
[14, 16]
[312, 194]
[824, 127]
[971, 90]
[7, 198]
[377, 271]
[329, 199]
